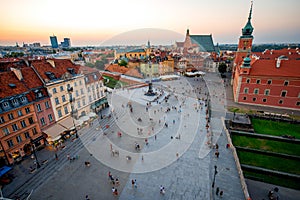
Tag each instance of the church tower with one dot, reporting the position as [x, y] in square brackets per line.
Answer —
[245, 41]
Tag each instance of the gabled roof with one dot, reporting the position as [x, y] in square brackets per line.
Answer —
[205, 42]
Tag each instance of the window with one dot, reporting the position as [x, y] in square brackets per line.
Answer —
[256, 91]
[81, 91]
[43, 121]
[298, 103]
[2, 120]
[59, 113]
[75, 84]
[27, 110]
[10, 116]
[78, 104]
[34, 131]
[61, 88]
[283, 93]
[26, 134]
[54, 90]
[66, 110]
[47, 104]
[30, 120]
[83, 102]
[15, 102]
[56, 101]
[77, 93]
[280, 101]
[15, 127]
[269, 82]
[90, 98]
[258, 81]
[19, 139]
[254, 99]
[23, 123]
[50, 118]
[38, 106]
[23, 99]
[95, 77]
[89, 89]
[264, 100]
[5, 104]
[63, 98]
[20, 113]
[80, 82]
[10, 143]
[246, 90]
[244, 98]
[267, 92]
[286, 83]
[5, 131]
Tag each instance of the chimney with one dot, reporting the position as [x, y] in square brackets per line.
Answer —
[18, 73]
[51, 62]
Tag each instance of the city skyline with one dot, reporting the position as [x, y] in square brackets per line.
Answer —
[101, 22]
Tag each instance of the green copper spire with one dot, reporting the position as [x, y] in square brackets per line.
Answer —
[248, 29]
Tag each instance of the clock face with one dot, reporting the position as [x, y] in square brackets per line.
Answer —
[245, 43]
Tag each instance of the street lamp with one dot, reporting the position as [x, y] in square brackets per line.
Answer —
[72, 100]
[213, 184]
[33, 149]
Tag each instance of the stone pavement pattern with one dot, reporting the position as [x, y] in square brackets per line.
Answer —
[187, 177]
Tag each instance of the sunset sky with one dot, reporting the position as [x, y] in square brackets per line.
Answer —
[92, 22]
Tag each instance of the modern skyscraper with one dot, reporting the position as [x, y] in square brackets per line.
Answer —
[66, 43]
[54, 42]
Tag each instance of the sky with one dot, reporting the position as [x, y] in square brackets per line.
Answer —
[97, 22]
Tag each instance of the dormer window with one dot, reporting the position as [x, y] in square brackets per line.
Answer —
[23, 99]
[71, 71]
[5, 105]
[38, 94]
[12, 85]
[50, 75]
[15, 102]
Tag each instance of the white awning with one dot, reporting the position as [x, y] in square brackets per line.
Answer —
[92, 114]
[68, 123]
[84, 118]
[54, 132]
[78, 122]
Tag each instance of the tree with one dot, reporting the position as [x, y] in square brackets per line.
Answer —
[222, 68]
[123, 63]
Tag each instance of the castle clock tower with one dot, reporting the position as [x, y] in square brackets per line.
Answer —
[245, 41]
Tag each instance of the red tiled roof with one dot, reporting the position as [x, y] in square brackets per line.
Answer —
[61, 67]
[288, 68]
[10, 78]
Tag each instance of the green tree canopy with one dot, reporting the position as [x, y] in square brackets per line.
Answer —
[222, 68]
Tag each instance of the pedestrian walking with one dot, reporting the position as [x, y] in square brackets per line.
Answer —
[217, 191]
[142, 158]
[56, 157]
[87, 197]
[221, 193]
[68, 156]
[132, 183]
[117, 182]
[135, 184]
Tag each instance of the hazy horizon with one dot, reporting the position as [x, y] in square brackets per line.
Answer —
[94, 23]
